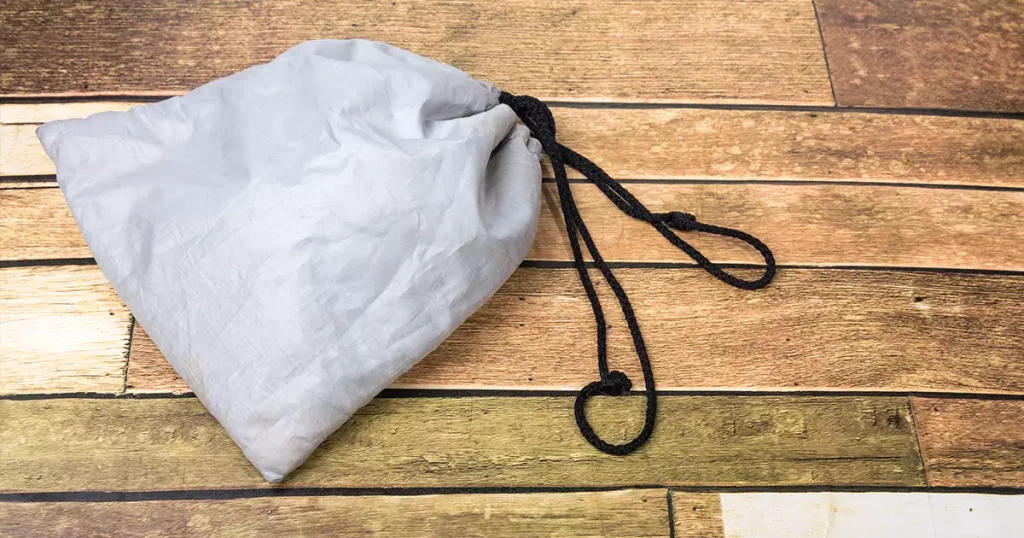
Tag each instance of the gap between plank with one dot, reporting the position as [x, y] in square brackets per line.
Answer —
[917, 441]
[671, 515]
[672, 181]
[946, 112]
[556, 393]
[225, 494]
[824, 52]
[566, 264]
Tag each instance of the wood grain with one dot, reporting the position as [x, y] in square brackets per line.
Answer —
[21, 154]
[697, 515]
[803, 224]
[871, 514]
[972, 442]
[36, 224]
[15, 113]
[169, 444]
[926, 53]
[730, 144]
[810, 330]
[63, 330]
[645, 50]
[627, 513]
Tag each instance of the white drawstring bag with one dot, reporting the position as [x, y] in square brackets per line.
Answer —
[297, 235]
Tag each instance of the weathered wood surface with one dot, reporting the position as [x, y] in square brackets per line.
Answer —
[42, 112]
[698, 515]
[721, 144]
[587, 50]
[173, 443]
[815, 224]
[62, 329]
[36, 224]
[21, 154]
[926, 53]
[810, 330]
[871, 514]
[972, 442]
[627, 513]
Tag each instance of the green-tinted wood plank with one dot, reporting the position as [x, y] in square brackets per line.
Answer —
[160, 444]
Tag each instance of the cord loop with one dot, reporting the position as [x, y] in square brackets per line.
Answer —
[537, 116]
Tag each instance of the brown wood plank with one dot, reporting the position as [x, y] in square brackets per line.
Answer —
[63, 330]
[647, 50]
[926, 53]
[627, 513]
[76, 444]
[815, 224]
[697, 515]
[36, 224]
[731, 144]
[810, 330]
[972, 442]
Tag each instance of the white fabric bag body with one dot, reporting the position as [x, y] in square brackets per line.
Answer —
[297, 235]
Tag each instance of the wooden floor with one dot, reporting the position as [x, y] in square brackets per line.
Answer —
[875, 389]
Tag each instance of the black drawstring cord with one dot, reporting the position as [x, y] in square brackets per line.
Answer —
[538, 118]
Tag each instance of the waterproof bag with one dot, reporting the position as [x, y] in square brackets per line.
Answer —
[297, 235]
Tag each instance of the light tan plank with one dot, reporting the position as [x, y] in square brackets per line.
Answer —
[62, 329]
[628, 513]
[803, 224]
[926, 53]
[156, 444]
[811, 329]
[21, 154]
[735, 144]
[697, 515]
[646, 50]
[972, 442]
[11, 113]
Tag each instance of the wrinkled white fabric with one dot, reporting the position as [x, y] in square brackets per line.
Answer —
[297, 235]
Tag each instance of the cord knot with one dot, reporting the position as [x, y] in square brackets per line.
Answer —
[678, 220]
[615, 383]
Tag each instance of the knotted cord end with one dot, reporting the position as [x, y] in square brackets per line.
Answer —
[679, 220]
[616, 383]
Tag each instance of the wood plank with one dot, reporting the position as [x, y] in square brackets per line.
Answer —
[15, 113]
[810, 330]
[637, 513]
[73, 444]
[926, 53]
[736, 144]
[879, 515]
[64, 330]
[697, 515]
[815, 224]
[22, 154]
[587, 50]
[36, 224]
[972, 442]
